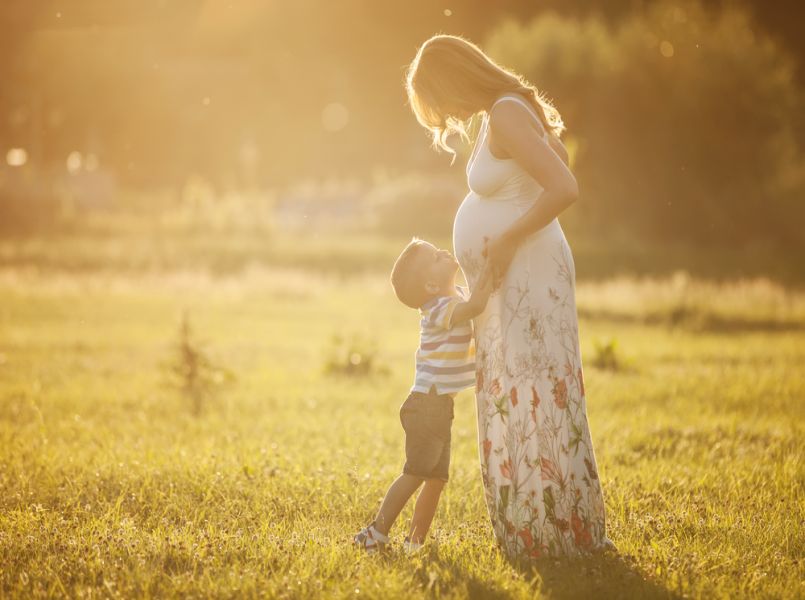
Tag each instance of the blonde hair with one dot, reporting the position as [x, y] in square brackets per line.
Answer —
[450, 73]
[407, 281]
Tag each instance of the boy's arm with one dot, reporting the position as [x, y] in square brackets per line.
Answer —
[464, 311]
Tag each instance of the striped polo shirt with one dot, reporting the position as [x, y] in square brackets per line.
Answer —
[446, 354]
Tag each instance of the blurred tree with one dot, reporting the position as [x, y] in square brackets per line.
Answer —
[164, 89]
[683, 118]
[238, 93]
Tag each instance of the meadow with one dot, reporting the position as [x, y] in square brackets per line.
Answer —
[112, 486]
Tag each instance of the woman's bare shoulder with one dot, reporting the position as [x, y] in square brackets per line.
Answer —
[509, 114]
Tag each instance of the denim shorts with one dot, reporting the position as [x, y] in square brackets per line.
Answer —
[427, 419]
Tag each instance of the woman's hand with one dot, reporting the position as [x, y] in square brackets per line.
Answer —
[499, 253]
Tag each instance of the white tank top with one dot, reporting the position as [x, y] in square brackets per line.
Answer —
[500, 178]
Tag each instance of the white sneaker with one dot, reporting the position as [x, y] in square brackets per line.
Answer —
[370, 539]
[411, 547]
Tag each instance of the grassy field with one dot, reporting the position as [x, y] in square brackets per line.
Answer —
[110, 486]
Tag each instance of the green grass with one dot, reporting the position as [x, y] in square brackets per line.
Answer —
[110, 487]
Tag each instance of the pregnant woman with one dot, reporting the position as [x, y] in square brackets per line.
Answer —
[539, 472]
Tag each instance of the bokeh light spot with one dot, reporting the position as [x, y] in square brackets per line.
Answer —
[448, 12]
[666, 49]
[16, 157]
[334, 117]
[74, 161]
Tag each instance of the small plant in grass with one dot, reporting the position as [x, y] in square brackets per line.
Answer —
[193, 372]
[354, 355]
[606, 355]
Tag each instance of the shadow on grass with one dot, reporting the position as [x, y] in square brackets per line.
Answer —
[607, 576]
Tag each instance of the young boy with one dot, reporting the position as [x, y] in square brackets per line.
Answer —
[424, 278]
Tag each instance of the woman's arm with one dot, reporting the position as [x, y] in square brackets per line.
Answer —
[558, 147]
[514, 131]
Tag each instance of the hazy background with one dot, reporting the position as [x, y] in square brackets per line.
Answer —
[201, 357]
[215, 122]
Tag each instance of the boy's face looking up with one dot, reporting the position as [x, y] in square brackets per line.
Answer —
[422, 272]
[436, 269]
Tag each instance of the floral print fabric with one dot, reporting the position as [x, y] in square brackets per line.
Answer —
[539, 471]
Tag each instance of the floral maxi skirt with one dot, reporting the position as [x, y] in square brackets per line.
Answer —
[537, 463]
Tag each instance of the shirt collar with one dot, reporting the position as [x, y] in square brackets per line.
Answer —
[432, 302]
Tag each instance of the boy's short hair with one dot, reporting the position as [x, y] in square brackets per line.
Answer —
[406, 281]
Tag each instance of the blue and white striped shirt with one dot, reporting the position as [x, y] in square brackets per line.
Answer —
[446, 354]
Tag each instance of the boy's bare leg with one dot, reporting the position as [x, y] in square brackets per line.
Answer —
[425, 509]
[399, 493]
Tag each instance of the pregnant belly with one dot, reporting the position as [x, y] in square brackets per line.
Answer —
[479, 217]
